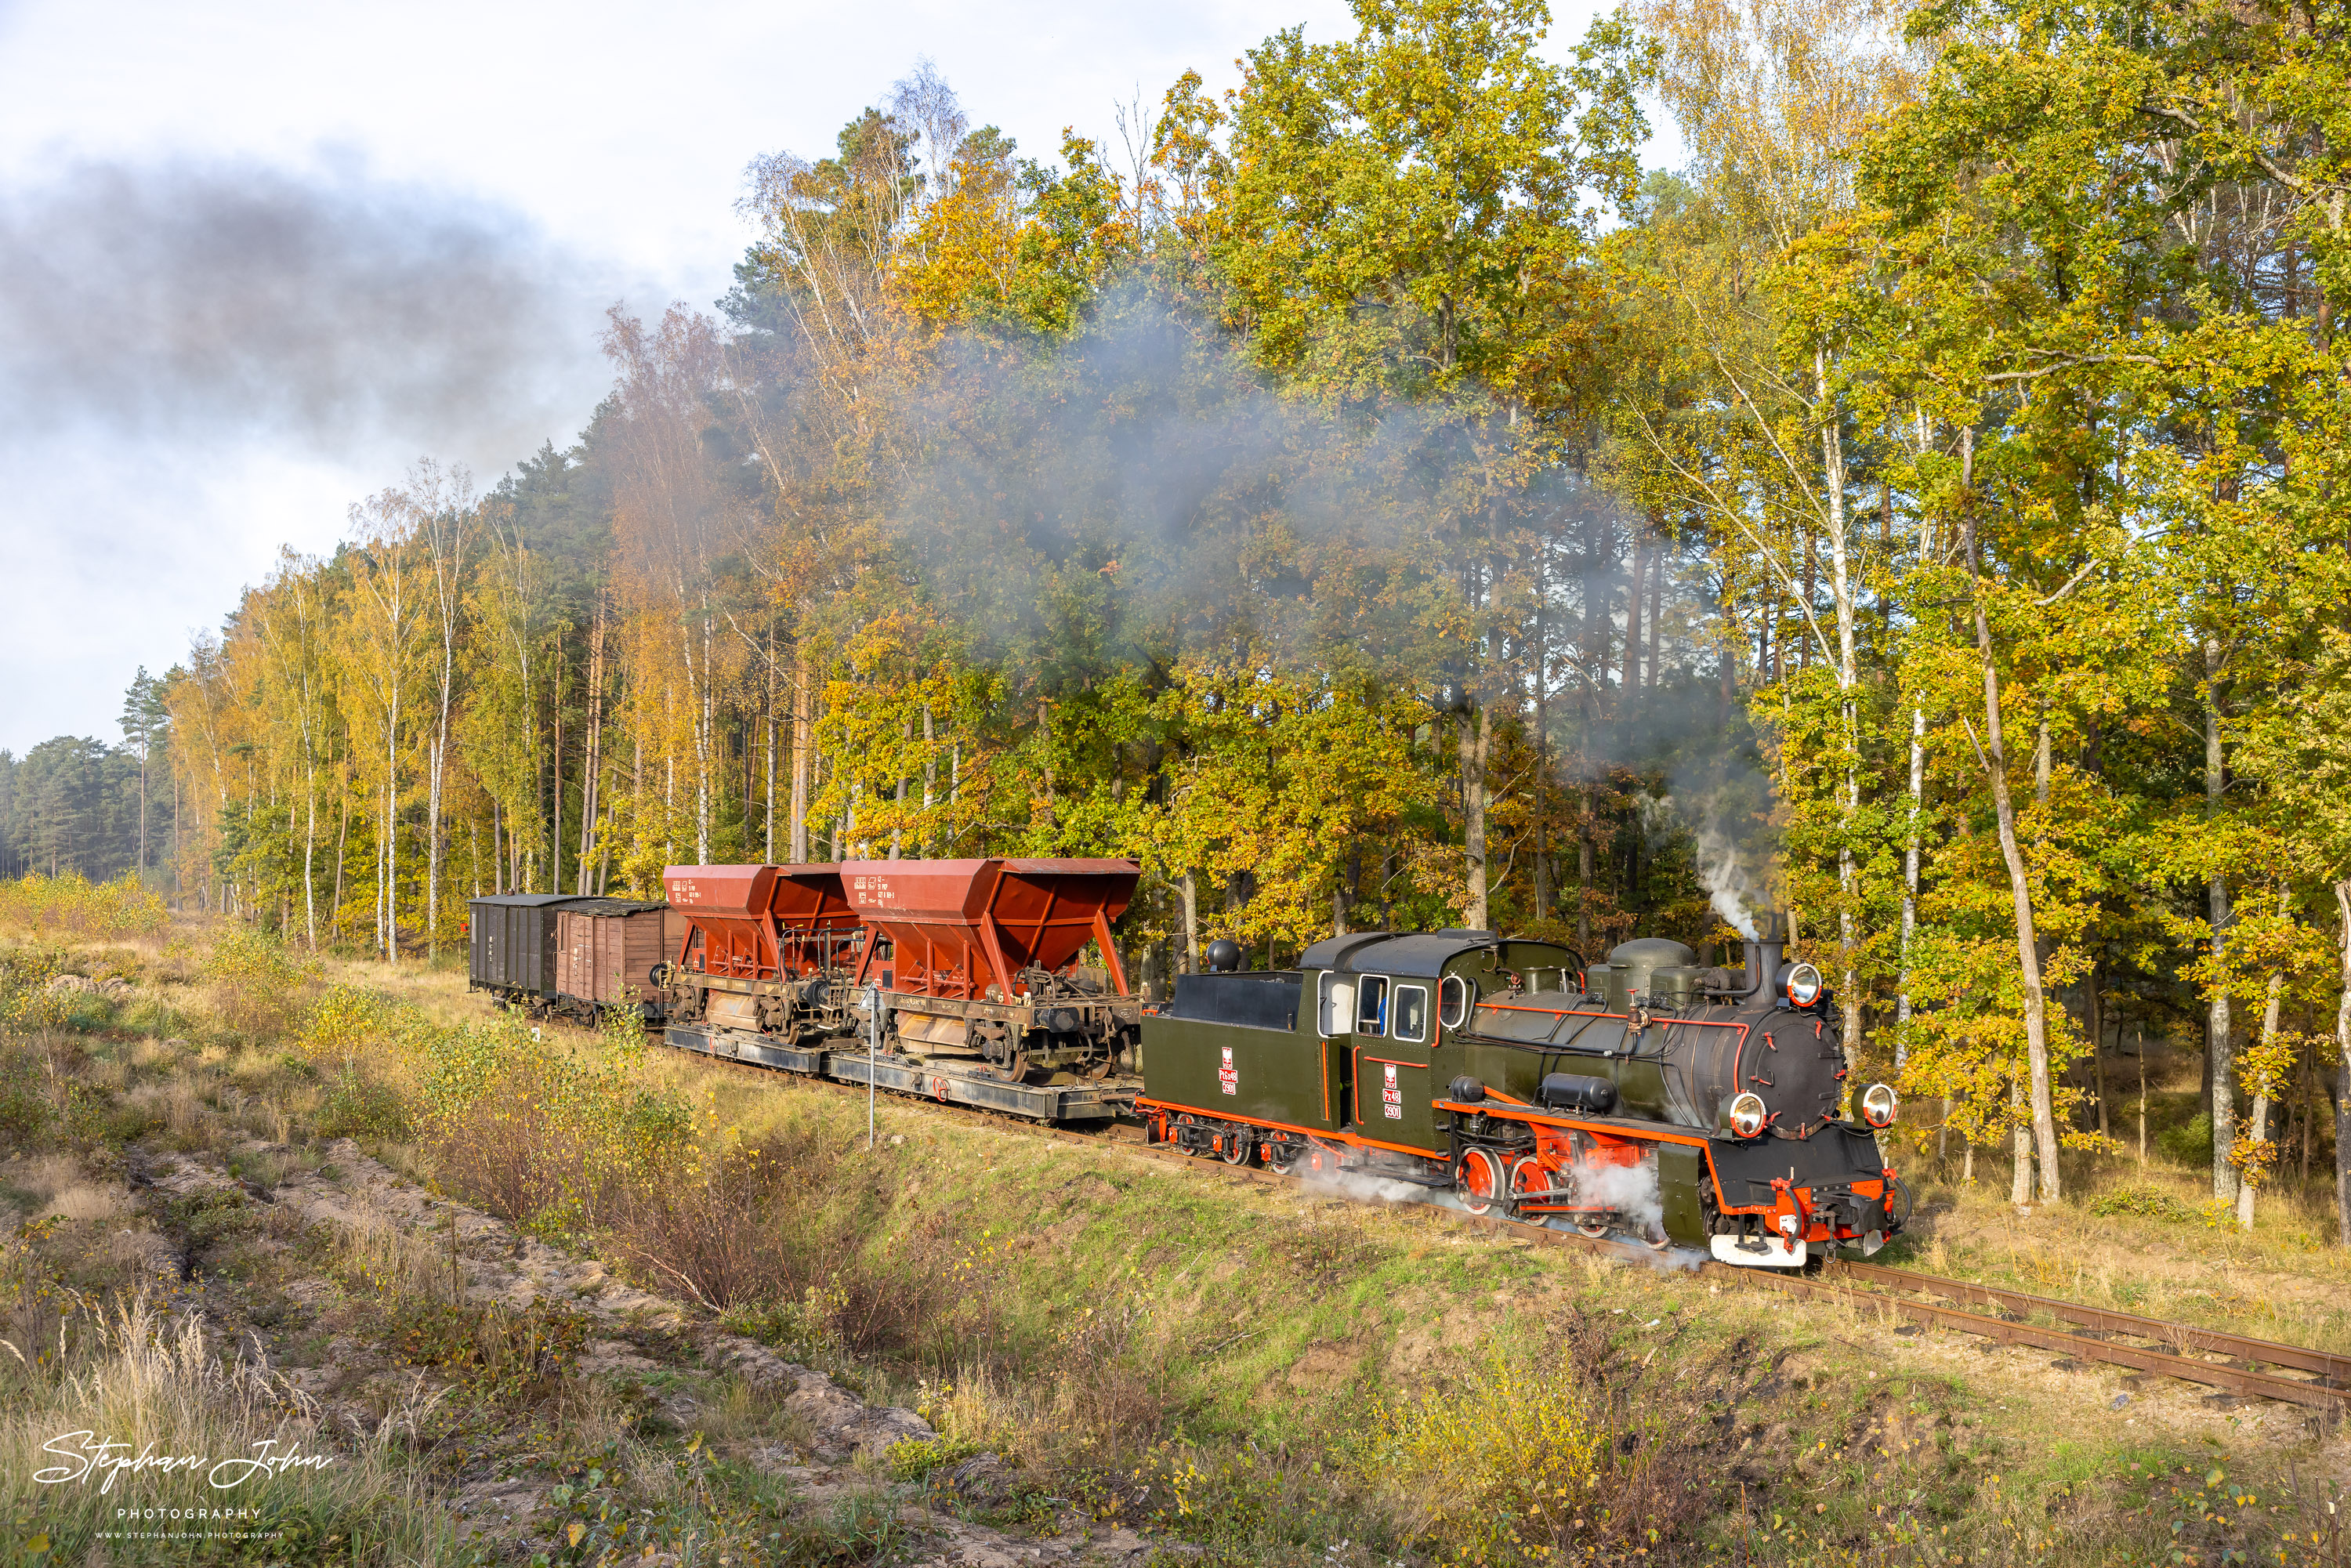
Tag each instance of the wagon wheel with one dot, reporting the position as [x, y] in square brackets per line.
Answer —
[1015, 1066]
[1238, 1146]
[1283, 1158]
[1592, 1225]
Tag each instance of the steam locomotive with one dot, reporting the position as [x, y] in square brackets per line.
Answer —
[1647, 1095]
[1651, 1095]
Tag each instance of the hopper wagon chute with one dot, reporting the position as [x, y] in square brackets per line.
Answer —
[977, 959]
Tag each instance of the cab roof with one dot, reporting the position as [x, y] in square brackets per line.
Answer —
[1426, 953]
[1385, 953]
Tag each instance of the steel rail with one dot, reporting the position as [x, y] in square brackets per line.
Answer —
[2236, 1380]
[2318, 1395]
[2182, 1336]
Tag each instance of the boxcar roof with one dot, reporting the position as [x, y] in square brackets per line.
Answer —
[533, 900]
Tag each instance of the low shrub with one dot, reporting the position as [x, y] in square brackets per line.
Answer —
[912, 1458]
[358, 1107]
[2190, 1145]
[260, 987]
[2146, 1202]
[783, 1235]
[74, 905]
[1588, 1471]
[27, 1002]
[96, 1115]
[798, 1331]
[25, 1112]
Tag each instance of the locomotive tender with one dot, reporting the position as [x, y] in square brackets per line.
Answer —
[1647, 1095]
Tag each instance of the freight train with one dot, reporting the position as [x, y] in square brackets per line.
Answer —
[1647, 1096]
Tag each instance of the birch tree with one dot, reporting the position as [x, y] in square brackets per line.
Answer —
[392, 588]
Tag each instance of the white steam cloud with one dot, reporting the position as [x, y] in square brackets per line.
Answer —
[1724, 875]
[1630, 1190]
[1731, 887]
[1361, 1188]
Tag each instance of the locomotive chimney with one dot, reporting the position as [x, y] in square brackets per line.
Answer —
[1766, 951]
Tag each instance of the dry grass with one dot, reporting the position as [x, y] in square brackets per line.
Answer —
[398, 1267]
[144, 1381]
[2270, 1282]
[1182, 1350]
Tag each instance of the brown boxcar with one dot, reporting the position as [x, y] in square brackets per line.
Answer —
[606, 952]
[515, 950]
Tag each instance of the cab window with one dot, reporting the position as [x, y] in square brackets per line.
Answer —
[1452, 996]
[1412, 1013]
[1335, 1004]
[1372, 1005]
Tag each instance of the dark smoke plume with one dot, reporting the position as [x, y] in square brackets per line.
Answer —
[192, 300]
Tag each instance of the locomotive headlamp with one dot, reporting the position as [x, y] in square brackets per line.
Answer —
[1802, 984]
[1880, 1106]
[1748, 1115]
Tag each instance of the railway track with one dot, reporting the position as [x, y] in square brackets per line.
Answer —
[2248, 1367]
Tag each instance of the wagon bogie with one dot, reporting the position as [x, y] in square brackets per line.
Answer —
[763, 947]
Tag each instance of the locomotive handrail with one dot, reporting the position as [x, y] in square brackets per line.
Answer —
[1566, 1047]
[1654, 1016]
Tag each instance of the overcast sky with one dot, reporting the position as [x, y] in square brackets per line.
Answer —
[256, 260]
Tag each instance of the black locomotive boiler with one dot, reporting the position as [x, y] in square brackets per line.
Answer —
[1652, 1095]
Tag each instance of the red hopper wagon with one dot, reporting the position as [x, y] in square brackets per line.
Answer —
[768, 948]
[974, 964]
[977, 959]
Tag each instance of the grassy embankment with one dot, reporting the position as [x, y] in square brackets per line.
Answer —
[1266, 1374]
[2140, 1236]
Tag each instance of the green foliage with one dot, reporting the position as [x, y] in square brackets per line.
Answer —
[96, 1115]
[2190, 1145]
[26, 1002]
[912, 1458]
[358, 1107]
[2148, 1202]
[259, 986]
[1406, 208]
[26, 1114]
[800, 1331]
